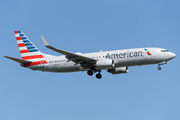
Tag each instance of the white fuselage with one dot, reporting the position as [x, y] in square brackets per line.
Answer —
[115, 62]
[122, 58]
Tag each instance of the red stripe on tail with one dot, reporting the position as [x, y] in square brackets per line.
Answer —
[18, 38]
[24, 51]
[21, 45]
[35, 63]
[16, 32]
[32, 57]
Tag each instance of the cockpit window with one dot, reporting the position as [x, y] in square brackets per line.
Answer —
[164, 51]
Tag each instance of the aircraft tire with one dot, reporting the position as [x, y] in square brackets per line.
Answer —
[98, 76]
[90, 72]
[159, 68]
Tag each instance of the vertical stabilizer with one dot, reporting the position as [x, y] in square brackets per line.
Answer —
[27, 49]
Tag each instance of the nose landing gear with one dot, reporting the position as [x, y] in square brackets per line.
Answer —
[162, 63]
[159, 68]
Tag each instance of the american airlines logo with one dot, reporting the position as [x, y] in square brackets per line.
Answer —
[147, 51]
[126, 54]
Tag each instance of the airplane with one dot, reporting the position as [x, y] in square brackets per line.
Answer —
[115, 62]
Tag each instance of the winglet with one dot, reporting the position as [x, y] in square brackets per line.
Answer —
[44, 41]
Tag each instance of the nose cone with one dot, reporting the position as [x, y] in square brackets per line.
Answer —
[172, 55]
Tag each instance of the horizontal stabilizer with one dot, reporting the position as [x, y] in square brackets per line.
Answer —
[18, 60]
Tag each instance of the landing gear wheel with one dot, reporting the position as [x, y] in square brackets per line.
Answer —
[99, 76]
[90, 72]
[159, 68]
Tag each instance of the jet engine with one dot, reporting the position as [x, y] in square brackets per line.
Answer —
[118, 70]
[105, 64]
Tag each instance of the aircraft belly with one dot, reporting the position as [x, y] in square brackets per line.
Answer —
[134, 61]
[126, 62]
[66, 67]
[42, 68]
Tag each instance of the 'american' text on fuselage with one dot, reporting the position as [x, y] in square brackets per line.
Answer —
[124, 55]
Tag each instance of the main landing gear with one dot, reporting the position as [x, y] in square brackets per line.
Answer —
[98, 76]
[90, 72]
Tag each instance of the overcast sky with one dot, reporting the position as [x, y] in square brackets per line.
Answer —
[90, 26]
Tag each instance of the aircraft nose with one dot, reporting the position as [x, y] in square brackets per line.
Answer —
[172, 55]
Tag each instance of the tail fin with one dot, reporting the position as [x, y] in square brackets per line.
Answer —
[27, 49]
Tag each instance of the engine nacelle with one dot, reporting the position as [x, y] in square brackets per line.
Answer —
[118, 70]
[105, 64]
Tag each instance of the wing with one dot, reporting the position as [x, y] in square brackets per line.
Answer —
[78, 59]
[18, 60]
